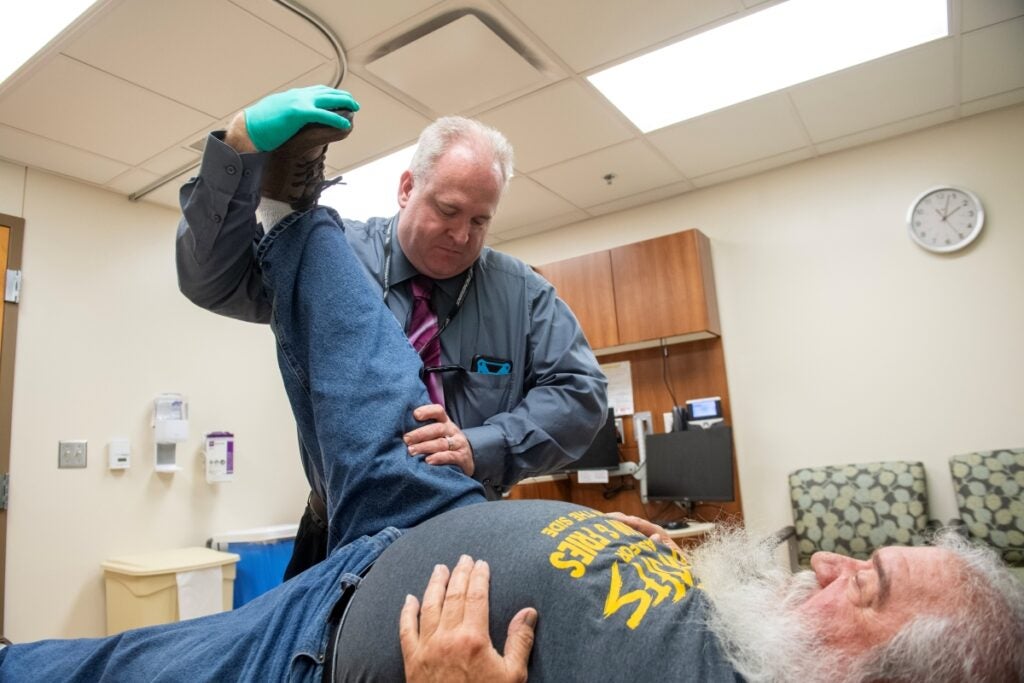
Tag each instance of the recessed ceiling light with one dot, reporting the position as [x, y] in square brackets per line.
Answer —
[30, 26]
[371, 189]
[775, 48]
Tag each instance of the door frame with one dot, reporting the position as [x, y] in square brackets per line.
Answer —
[8, 337]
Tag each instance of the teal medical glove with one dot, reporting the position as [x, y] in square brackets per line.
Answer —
[274, 119]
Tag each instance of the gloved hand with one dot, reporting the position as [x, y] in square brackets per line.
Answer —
[274, 119]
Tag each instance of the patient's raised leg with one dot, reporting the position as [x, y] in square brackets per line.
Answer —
[353, 381]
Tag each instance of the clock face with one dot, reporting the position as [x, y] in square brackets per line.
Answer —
[945, 219]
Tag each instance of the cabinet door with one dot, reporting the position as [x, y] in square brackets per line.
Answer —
[585, 284]
[664, 287]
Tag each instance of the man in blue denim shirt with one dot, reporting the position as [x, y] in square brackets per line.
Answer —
[545, 400]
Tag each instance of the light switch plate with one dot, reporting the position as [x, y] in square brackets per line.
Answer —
[73, 454]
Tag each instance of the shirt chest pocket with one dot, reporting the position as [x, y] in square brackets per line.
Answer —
[473, 397]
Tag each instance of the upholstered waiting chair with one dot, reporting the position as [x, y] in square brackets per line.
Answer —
[990, 494]
[855, 509]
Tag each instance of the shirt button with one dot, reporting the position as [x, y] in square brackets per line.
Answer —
[230, 170]
[216, 218]
[247, 172]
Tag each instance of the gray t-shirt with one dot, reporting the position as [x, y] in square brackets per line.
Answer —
[613, 605]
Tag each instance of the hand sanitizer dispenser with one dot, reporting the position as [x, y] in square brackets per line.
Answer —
[170, 427]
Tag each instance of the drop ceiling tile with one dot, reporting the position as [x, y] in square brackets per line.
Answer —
[70, 102]
[753, 167]
[642, 198]
[888, 130]
[740, 134]
[993, 60]
[978, 13]
[131, 181]
[172, 159]
[543, 225]
[208, 54]
[635, 167]
[527, 202]
[557, 123]
[382, 125]
[31, 150]
[587, 34]
[459, 67]
[897, 87]
[357, 21]
[274, 14]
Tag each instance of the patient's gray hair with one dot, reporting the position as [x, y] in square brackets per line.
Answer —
[979, 640]
[442, 134]
[753, 599]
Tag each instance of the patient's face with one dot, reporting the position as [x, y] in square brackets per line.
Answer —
[863, 603]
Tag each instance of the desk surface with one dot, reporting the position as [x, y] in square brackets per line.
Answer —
[695, 529]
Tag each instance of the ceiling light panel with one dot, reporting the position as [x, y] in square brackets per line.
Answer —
[783, 45]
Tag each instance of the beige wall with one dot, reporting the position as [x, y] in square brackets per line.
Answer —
[845, 342]
[12, 185]
[102, 330]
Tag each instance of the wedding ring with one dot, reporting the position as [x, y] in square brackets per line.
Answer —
[451, 446]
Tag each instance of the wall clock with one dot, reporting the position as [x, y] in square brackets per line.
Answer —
[945, 219]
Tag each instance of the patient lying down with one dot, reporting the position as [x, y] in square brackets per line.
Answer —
[616, 606]
[597, 600]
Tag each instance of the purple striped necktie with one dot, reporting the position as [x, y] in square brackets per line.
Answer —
[422, 333]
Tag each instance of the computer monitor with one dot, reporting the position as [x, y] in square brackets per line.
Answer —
[603, 453]
[694, 466]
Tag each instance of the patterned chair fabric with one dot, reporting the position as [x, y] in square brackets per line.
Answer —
[990, 494]
[854, 509]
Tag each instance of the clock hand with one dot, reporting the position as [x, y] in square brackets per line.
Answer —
[951, 213]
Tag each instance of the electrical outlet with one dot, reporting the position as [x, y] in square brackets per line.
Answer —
[72, 454]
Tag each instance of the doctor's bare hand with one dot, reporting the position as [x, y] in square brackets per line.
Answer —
[441, 441]
[450, 641]
[647, 528]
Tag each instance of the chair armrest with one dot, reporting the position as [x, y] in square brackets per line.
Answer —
[957, 525]
[787, 535]
[784, 534]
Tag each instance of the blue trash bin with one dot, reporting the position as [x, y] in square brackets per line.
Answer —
[264, 554]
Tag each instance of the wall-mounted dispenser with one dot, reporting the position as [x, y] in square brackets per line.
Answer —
[219, 453]
[170, 427]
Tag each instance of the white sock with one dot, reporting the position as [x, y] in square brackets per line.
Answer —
[271, 211]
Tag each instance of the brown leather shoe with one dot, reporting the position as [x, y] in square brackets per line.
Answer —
[294, 173]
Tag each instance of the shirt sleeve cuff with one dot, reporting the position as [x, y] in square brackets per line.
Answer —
[488, 454]
[227, 170]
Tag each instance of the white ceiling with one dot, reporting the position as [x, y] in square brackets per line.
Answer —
[124, 97]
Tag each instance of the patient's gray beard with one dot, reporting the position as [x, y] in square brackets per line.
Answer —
[753, 612]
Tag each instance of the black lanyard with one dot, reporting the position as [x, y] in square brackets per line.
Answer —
[387, 285]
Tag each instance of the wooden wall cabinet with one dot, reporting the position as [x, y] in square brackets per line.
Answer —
[636, 303]
[661, 289]
[585, 283]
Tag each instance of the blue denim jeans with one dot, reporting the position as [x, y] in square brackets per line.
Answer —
[353, 380]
